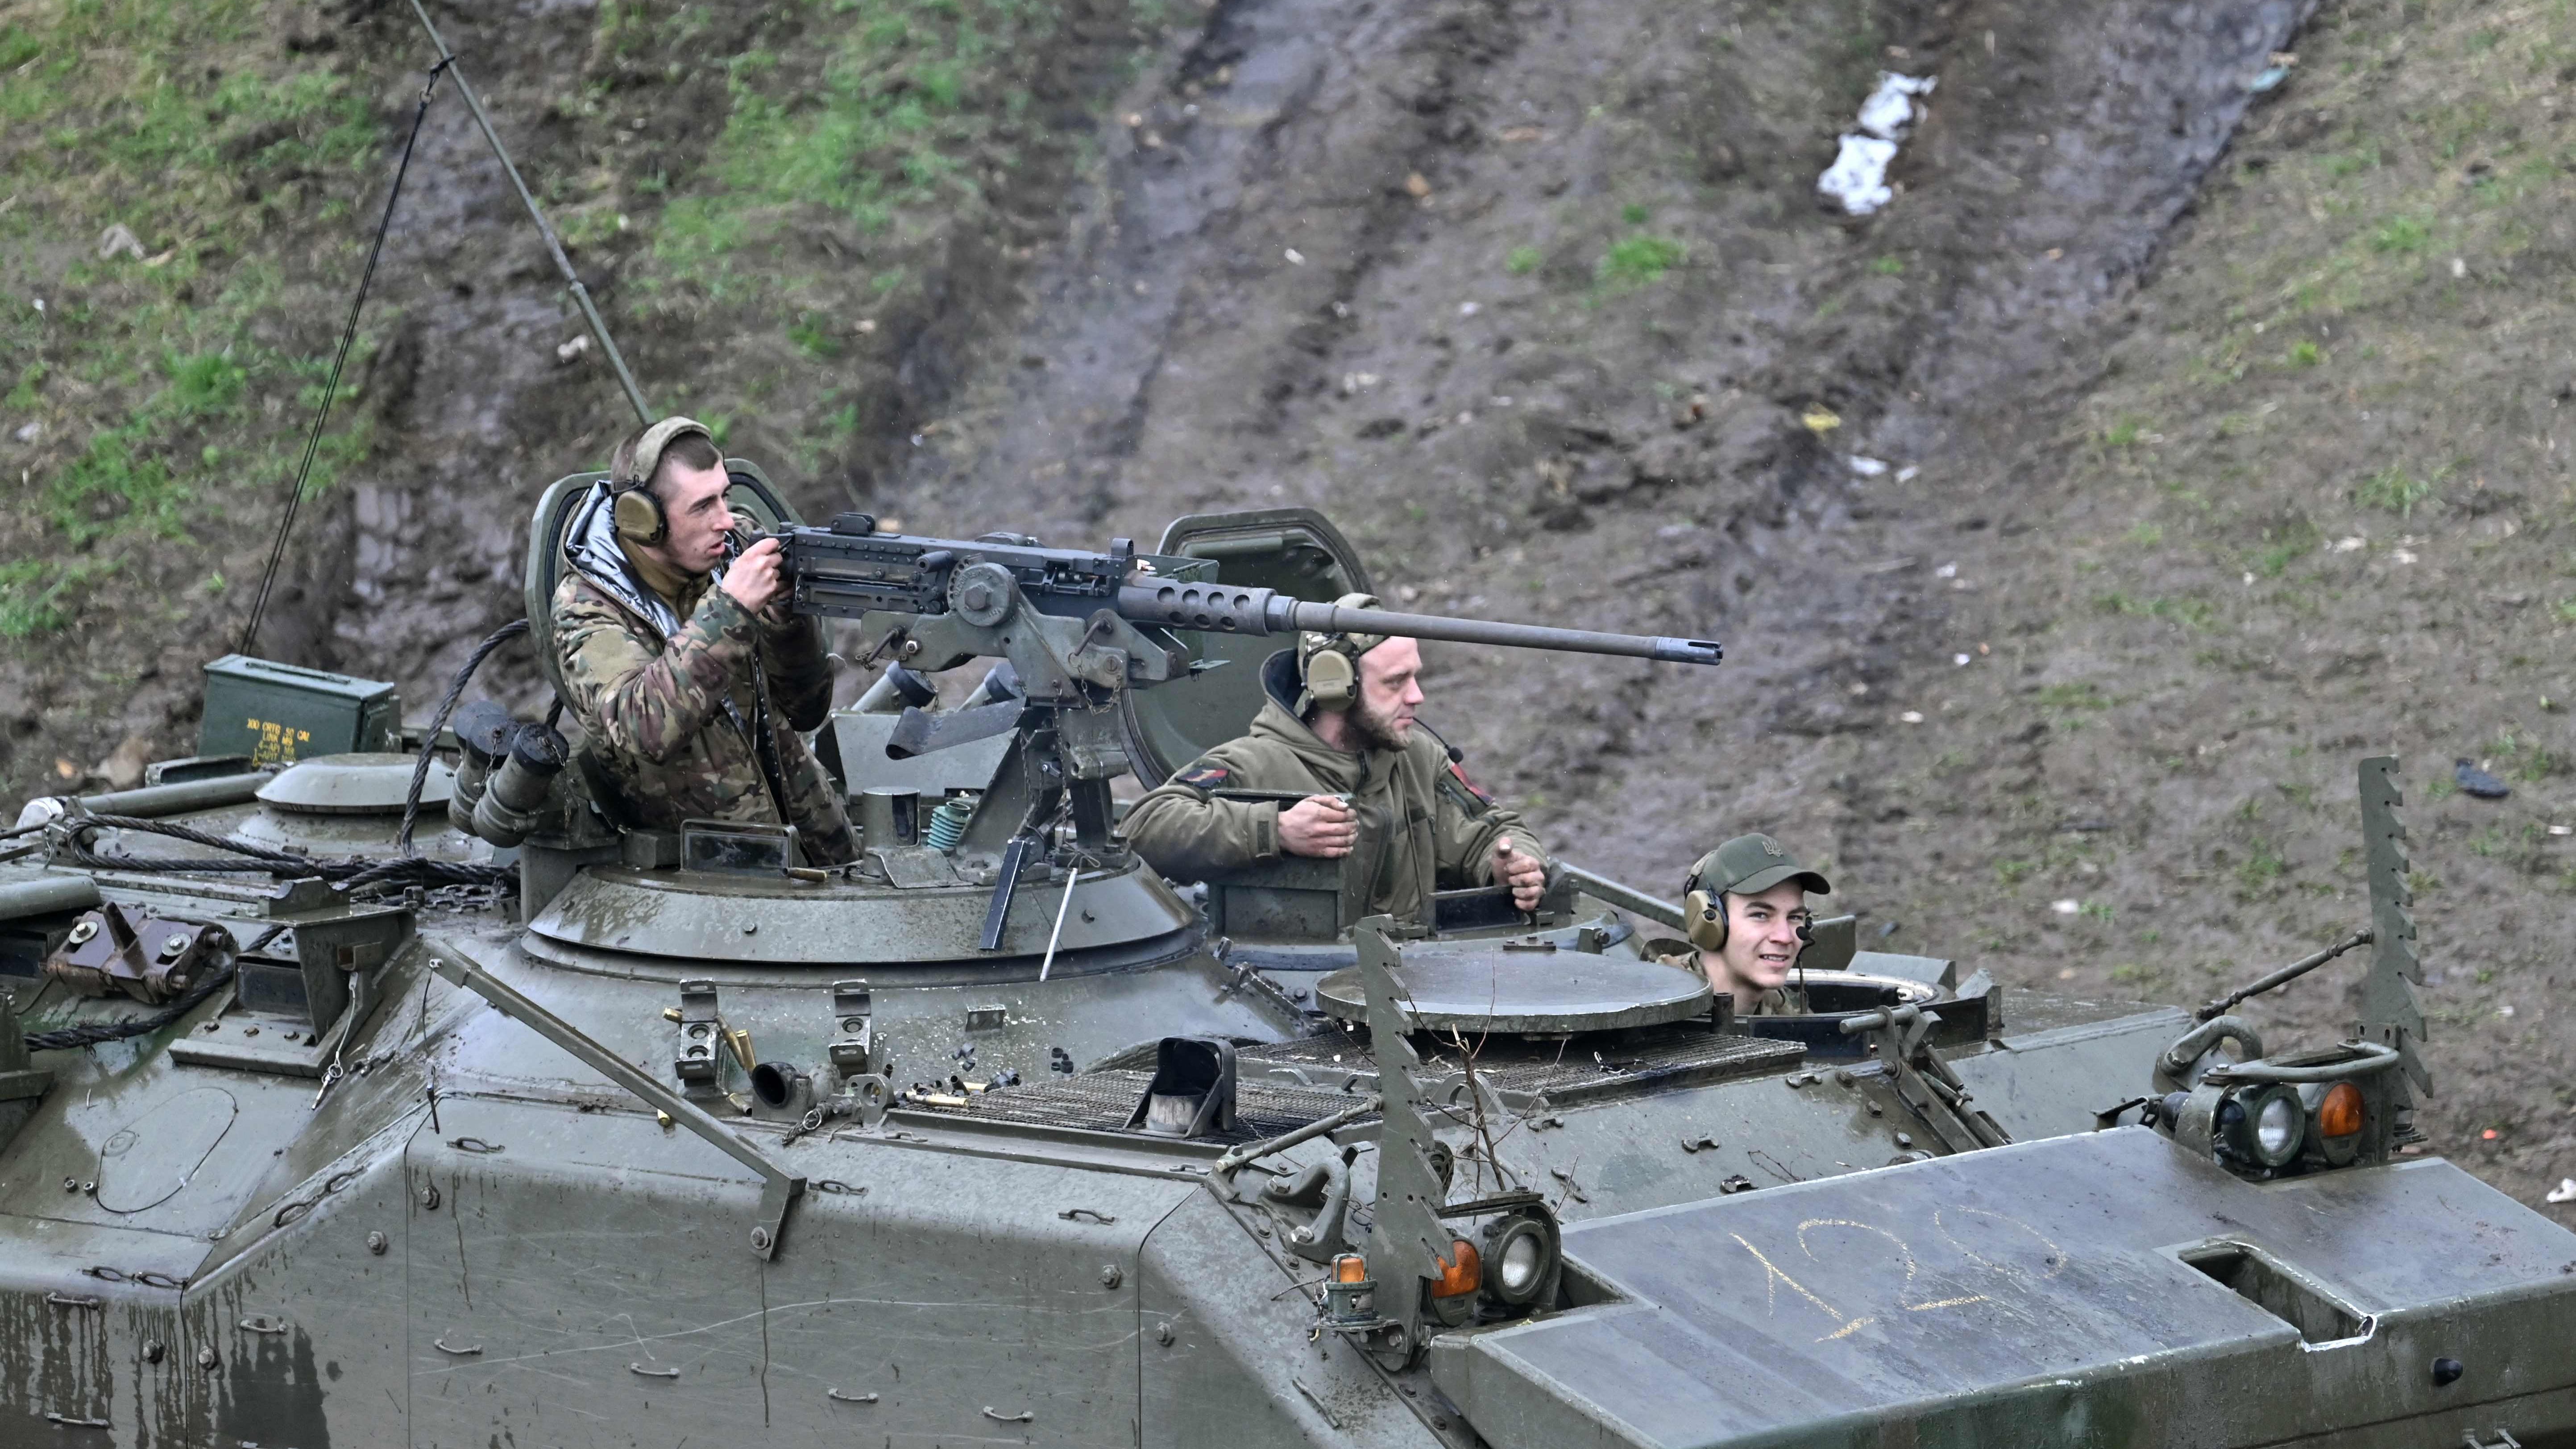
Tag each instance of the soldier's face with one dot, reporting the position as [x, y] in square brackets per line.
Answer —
[1390, 690]
[700, 520]
[1762, 935]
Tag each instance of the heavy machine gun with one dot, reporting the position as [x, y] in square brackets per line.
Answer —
[1079, 628]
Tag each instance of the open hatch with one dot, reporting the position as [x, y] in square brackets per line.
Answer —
[1294, 550]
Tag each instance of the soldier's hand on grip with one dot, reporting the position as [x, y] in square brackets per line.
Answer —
[1319, 825]
[1526, 877]
[754, 579]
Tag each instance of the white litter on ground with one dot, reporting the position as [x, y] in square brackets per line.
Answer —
[1889, 111]
[1868, 467]
[2066, 907]
[1858, 177]
[2565, 1191]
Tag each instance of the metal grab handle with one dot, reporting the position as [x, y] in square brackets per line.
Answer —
[65, 1300]
[1878, 1020]
[1022, 1417]
[838, 1396]
[1626, 897]
[464, 1351]
[653, 1373]
[779, 1187]
[2187, 1049]
[2368, 1057]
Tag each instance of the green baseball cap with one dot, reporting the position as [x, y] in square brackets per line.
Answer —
[1748, 865]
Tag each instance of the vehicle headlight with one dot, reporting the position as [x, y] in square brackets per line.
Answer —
[2275, 1122]
[1516, 1262]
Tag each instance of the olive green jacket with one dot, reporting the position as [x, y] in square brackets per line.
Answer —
[1420, 819]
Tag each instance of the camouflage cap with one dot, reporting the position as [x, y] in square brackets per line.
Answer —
[1748, 865]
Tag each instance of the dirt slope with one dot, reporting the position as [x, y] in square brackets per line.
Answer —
[1534, 296]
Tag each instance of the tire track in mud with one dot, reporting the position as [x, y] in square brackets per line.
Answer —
[1498, 448]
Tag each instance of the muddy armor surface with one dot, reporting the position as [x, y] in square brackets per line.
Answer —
[670, 704]
[1441, 827]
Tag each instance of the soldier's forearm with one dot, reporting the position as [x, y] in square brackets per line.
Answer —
[658, 709]
[800, 674]
[1188, 838]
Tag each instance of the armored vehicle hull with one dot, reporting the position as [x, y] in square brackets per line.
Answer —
[604, 1138]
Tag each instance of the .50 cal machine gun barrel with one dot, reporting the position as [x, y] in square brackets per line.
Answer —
[849, 570]
[1218, 609]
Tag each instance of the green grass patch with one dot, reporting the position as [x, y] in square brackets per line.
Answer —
[813, 336]
[2282, 547]
[1639, 260]
[1888, 266]
[2191, 613]
[36, 594]
[2395, 490]
[1521, 261]
[907, 89]
[2262, 867]
[236, 167]
[2402, 234]
[2305, 354]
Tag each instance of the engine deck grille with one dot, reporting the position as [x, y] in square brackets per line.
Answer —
[1282, 1086]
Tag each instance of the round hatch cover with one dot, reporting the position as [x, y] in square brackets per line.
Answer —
[146, 1161]
[1527, 991]
[356, 785]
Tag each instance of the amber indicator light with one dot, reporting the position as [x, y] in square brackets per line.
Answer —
[2339, 1115]
[1350, 1268]
[1461, 1271]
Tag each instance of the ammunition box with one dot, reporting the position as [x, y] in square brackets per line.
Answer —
[278, 713]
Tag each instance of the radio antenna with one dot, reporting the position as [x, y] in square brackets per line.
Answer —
[554, 244]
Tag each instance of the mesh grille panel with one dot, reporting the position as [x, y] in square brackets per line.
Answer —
[1101, 1102]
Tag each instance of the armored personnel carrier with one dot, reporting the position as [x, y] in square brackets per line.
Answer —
[362, 1088]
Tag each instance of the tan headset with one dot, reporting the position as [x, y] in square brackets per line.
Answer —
[1704, 920]
[1328, 665]
[1332, 679]
[639, 515]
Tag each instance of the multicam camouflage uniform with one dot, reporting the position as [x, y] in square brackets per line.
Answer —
[669, 706]
[1441, 828]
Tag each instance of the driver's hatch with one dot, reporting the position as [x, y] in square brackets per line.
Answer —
[1293, 550]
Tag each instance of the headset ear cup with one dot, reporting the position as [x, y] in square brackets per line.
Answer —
[1704, 920]
[1331, 680]
[639, 517]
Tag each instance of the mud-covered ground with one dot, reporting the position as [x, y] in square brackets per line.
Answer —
[2219, 426]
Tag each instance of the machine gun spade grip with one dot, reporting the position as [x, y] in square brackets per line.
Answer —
[1214, 608]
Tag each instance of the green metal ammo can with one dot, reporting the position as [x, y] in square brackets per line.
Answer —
[278, 714]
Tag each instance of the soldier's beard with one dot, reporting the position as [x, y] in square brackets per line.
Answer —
[1374, 731]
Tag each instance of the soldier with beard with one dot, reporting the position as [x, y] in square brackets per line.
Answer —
[1339, 727]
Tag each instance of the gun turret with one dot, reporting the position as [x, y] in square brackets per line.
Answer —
[1078, 627]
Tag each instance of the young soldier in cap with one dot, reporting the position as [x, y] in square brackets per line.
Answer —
[689, 677]
[1338, 727]
[1745, 908]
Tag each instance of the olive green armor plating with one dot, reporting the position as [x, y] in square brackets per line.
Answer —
[663, 1131]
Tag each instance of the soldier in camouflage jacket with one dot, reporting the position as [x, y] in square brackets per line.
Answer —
[666, 669]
